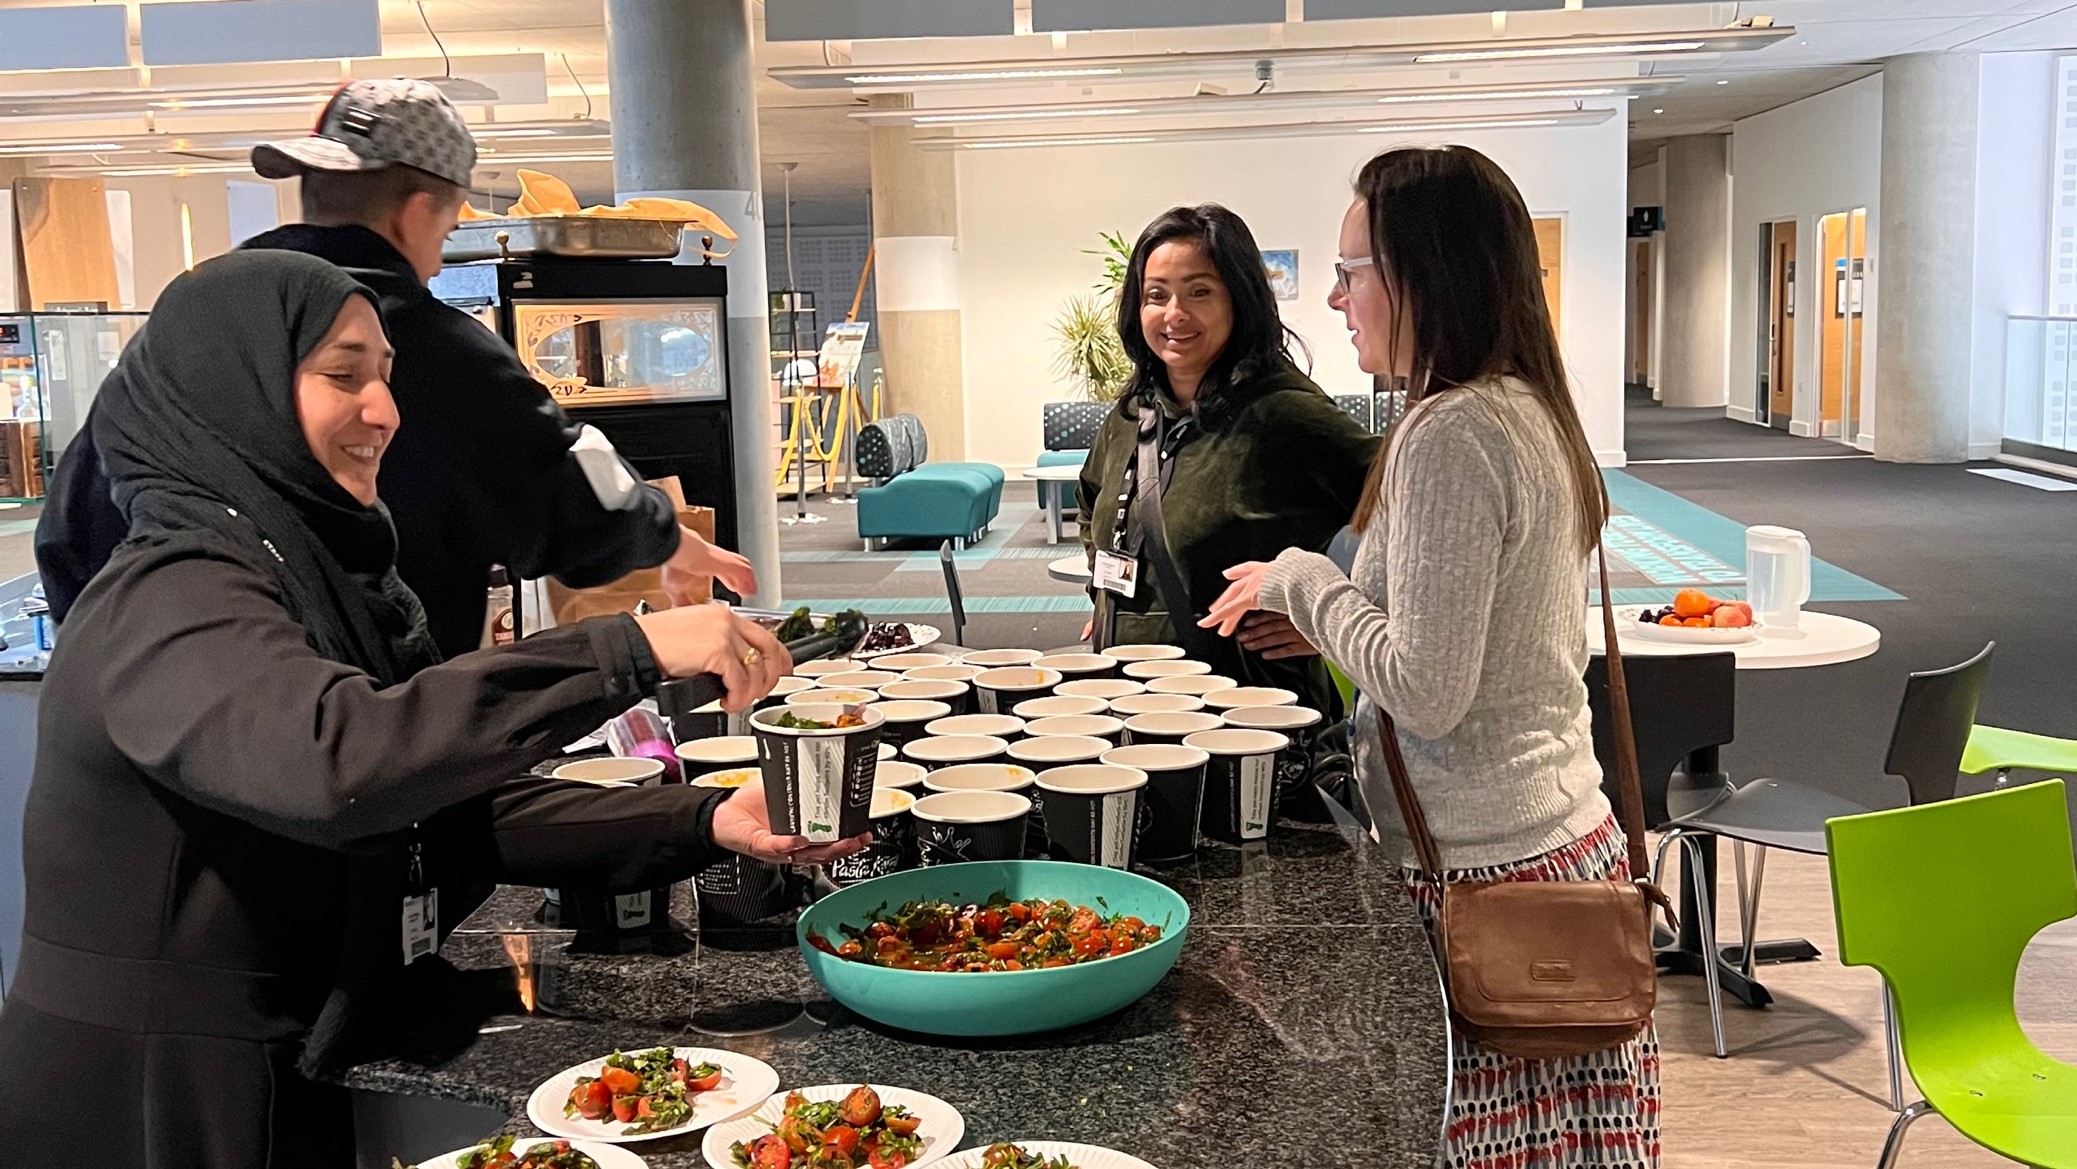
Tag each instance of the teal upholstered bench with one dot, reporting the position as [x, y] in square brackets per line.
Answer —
[915, 500]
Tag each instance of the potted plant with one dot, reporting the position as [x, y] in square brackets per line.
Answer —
[1088, 353]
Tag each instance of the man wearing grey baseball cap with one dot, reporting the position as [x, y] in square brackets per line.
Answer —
[486, 468]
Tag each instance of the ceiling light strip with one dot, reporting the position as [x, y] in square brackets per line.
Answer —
[1536, 51]
[1277, 130]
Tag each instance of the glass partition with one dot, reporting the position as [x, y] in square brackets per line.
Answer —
[51, 365]
[2038, 370]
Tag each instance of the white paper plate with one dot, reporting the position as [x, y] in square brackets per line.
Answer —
[608, 1156]
[744, 1082]
[920, 638]
[1626, 618]
[1080, 1156]
[941, 1130]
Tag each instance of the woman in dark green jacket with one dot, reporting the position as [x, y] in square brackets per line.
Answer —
[1254, 458]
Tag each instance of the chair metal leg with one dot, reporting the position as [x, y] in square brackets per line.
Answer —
[1749, 907]
[1706, 922]
[1894, 1146]
[1893, 1047]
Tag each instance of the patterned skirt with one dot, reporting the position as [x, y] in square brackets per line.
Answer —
[1600, 1109]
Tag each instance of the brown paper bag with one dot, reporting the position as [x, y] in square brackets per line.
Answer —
[570, 606]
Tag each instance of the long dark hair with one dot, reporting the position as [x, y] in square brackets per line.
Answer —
[1260, 344]
[1450, 232]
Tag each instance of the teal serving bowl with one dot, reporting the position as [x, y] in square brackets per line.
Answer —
[1008, 1002]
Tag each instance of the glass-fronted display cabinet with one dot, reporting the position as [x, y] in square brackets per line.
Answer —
[51, 365]
[636, 348]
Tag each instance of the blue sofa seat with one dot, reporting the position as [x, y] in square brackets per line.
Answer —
[912, 499]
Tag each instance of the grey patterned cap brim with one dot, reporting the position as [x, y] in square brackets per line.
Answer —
[290, 159]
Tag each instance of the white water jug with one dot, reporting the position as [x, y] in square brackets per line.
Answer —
[1777, 575]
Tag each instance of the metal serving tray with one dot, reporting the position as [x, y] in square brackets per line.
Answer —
[595, 237]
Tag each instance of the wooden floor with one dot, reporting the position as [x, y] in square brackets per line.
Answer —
[1805, 1084]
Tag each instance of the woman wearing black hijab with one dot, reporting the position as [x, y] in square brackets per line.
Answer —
[251, 773]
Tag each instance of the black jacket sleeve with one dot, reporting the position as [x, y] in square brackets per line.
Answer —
[550, 833]
[80, 525]
[208, 686]
[536, 509]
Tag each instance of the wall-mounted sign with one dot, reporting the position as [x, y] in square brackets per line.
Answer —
[1789, 279]
[1853, 295]
[1644, 221]
[1839, 293]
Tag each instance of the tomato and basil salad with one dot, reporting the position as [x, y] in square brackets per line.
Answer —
[857, 1132]
[497, 1153]
[1009, 1156]
[999, 935]
[650, 1091]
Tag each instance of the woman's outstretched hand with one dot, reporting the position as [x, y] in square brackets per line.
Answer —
[1241, 598]
[743, 824]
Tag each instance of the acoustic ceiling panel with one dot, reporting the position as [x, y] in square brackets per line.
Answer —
[80, 37]
[1081, 15]
[218, 32]
[865, 20]
[1372, 9]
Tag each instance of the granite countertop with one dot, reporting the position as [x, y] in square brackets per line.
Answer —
[1305, 1011]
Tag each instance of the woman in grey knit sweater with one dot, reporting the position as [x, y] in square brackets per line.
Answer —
[1464, 616]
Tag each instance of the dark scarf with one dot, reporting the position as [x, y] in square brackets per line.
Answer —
[197, 431]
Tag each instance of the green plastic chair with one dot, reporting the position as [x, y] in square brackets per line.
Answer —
[1942, 899]
[1997, 749]
[1347, 688]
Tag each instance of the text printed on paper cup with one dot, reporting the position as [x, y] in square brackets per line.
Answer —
[1257, 780]
[1115, 823]
[821, 788]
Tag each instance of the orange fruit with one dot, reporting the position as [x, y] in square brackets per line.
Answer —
[1696, 623]
[1693, 603]
[1669, 620]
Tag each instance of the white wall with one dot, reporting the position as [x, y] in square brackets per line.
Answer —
[1026, 217]
[2014, 183]
[1804, 161]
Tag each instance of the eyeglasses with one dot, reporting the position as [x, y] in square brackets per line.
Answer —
[1342, 268]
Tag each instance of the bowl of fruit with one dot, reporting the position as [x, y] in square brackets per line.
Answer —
[1696, 618]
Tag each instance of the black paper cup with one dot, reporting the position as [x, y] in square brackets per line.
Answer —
[1169, 726]
[703, 755]
[901, 663]
[1074, 667]
[956, 694]
[1048, 752]
[906, 718]
[900, 773]
[818, 783]
[832, 696]
[894, 841]
[1150, 669]
[1144, 652]
[1053, 706]
[1104, 688]
[736, 889]
[1092, 813]
[998, 691]
[613, 771]
[1198, 685]
[936, 751]
[711, 722]
[865, 679]
[1240, 697]
[995, 777]
[991, 659]
[1133, 704]
[1240, 782]
[1174, 799]
[886, 751]
[729, 778]
[955, 827]
[1092, 726]
[1294, 767]
[1007, 727]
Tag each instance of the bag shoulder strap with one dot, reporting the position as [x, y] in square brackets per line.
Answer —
[1146, 504]
[1630, 789]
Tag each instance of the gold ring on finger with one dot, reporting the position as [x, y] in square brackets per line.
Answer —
[752, 656]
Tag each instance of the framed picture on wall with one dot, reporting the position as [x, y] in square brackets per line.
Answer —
[1283, 272]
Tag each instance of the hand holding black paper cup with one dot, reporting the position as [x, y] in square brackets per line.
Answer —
[1092, 813]
[818, 772]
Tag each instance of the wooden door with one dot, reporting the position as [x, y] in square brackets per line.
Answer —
[1781, 325]
[1640, 311]
[1550, 254]
[1832, 290]
[68, 253]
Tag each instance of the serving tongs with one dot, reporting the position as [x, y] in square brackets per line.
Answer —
[678, 698]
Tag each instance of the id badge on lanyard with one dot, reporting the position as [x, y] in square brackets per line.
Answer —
[1116, 573]
[421, 908]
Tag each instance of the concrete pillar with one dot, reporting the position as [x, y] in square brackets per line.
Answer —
[685, 126]
[1923, 334]
[916, 266]
[1694, 364]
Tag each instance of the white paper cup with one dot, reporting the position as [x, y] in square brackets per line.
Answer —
[1169, 726]
[1242, 696]
[958, 695]
[999, 690]
[1002, 726]
[954, 827]
[899, 773]
[989, 659]
[1072, 666]
[730, 779]
[617, 771]
[909, 661]
[818, 782]
[1094, 726]
[885, 752]
[937, 751]
[1200, 685]
[1240, 782]
[1133, 704]
[1092, 813]
[956, 672]
[825, 696]
[906, 718]
[1144, 652]
[1044, 754]
[1176, 667]
[1174, 800]
[1300, 723]
[858, 680]
[723, 751]
[1056, 705]
[822, 666]
[980, 777]
[1104, 688]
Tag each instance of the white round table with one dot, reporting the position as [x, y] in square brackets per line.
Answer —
[1046, 475]
[1819, 639]
[1072, 570]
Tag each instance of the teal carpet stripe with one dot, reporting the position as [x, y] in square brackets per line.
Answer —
[1717, 537]
[922, 606]
[17, 527]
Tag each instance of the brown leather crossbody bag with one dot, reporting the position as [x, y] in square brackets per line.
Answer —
[1547, 969]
